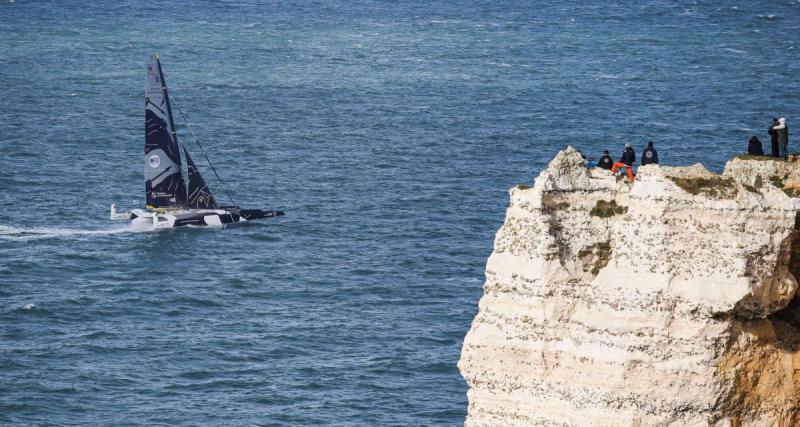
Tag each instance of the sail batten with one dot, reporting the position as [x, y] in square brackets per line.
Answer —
[164, 182]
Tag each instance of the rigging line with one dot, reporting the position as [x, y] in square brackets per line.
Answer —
[197, 141]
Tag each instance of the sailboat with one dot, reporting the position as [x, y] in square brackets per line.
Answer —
[176, 193]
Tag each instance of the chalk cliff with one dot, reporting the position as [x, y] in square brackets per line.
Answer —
[669, 301]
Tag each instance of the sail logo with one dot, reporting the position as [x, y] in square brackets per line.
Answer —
[154, 161]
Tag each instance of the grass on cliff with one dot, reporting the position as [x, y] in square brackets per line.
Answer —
[716, 186]
[595, 257]
[523, 186]
[792, 192]
[777, 180]
[757, 185]
[761, 158]
[780, 182]
[605, 209]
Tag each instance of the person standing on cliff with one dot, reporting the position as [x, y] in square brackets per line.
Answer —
[605, 161]
[650, 155]
[773, 135]
[783, 137]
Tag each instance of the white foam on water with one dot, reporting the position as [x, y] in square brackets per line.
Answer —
[36, 233]
[30, 306]
[737, 51]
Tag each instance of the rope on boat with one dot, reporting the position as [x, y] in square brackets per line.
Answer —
[197, 141]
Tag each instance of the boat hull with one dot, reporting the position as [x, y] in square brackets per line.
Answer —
[192, 217]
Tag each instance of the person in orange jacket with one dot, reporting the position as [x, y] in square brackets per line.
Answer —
[626, 161]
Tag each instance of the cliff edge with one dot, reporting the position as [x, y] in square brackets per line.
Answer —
[670, 301]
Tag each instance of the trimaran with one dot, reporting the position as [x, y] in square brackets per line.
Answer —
[176, 194]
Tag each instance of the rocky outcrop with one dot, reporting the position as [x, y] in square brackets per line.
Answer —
[668, 301]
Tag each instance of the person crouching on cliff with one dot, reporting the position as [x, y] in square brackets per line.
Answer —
[754, 147]
[626, 161]
[649, 155]
[605, 161]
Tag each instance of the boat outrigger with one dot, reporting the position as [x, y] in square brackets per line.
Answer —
[176, 194]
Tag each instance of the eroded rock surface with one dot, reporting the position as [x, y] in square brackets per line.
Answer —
[669, 301]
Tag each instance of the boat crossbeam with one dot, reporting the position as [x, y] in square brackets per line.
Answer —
[119, 216]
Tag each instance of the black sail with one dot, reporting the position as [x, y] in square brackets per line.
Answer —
[164, 184]
[199, 195]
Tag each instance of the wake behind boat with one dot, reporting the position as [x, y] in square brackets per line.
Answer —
[176, 193]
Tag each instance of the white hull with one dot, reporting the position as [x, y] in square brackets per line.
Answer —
[158, 219]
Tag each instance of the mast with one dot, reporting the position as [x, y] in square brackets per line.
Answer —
[164, 183]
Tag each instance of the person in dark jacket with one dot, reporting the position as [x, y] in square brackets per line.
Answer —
[649, 155]
[605, 161]
[628, 156]
[783, 137]
[773, 136]
[754, 147]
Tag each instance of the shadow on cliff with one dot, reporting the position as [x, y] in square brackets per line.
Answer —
[762, 357]
[787, 320]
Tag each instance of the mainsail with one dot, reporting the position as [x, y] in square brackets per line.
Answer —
[164, 184]
[199, 195]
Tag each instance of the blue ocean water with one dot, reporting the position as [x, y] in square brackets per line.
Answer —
[389, 132]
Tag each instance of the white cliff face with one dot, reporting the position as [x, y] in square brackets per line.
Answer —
[673, 305]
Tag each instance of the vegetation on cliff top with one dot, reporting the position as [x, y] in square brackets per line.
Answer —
[780, 182]
[761, 158]
[713, 186]
[777, 180]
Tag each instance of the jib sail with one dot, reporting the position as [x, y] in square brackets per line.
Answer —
[199, 195]
[164, 184]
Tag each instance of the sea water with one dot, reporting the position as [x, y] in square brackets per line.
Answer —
[388, 131]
